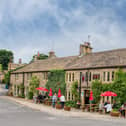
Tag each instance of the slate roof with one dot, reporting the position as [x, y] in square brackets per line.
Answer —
[47, 64]
[112, 58]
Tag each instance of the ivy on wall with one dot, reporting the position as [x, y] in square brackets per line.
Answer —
[74, 90]
[56, 80]
[118, 86]
[34, 83]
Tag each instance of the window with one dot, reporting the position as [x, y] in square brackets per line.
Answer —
[69, 76]
[108, 77]
[104, 75]
[29, 76]
[69, 96]
[96, 76]
[90, 76]
[86, 76]
[113, 75]
[66, 76]
[16, 76]
[73, 77]
[45, 75]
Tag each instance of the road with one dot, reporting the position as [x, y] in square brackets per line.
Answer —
[13, 114]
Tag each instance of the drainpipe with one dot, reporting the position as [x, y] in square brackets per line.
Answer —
[80, 86]
[23, 83]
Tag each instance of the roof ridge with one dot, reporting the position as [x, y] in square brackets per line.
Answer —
[107, 51]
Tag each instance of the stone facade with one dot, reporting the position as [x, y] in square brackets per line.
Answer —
[83, 68]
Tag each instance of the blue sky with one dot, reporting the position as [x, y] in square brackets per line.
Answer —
[29, 26]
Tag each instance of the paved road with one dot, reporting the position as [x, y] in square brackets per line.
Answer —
[3, 91]
[13, 114]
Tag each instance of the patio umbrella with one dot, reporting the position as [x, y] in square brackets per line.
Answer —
[91, 96]
[59, 93]
[50, 92]
[108, 93]
[42, 89]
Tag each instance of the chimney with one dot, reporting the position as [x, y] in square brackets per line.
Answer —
[35, 57]
[85, 48]
[20, 61]
[52, 54]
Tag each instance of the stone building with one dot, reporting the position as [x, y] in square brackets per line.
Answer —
[83, 68]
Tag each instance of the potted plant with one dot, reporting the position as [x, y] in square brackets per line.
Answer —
[115, 113]
[49, 102]
[58, 105]
[67, 106]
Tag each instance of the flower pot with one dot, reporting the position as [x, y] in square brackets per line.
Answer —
[115, 114]
[66, 108]
[49, 103]
[58, 106]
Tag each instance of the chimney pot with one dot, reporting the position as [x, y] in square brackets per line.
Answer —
[52, 54]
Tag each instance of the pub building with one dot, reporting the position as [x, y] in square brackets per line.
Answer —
[83, 68]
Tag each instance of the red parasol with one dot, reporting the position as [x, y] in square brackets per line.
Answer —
[42, 89]
[91, 96]
[59, 93]
[50, 92]
[108, 93]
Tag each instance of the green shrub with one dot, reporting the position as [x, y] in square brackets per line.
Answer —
[30, 95]
[72, 104]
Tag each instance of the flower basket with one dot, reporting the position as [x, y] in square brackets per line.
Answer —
[115, 113]
[67, 108]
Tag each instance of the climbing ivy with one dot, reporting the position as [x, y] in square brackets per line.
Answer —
[74, 90]
[56, 80]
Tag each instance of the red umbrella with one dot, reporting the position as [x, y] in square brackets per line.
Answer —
[50, 92]
[42, 89]
[59, 93]
[91, 96]
[108, 93]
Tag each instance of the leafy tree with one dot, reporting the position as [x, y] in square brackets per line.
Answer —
[34, 83]
[97, 89]
[56, 80]
[40, 57]
[119, 86]
[5, 57]
[7, 78]
[74, 90]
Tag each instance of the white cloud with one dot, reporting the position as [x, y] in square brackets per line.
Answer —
[106, 30]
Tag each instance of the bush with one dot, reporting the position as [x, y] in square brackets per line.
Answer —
[71, 104]
[30, 95]
[97, 89]
[34, 83]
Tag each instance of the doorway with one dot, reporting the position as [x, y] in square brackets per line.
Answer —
[86, 96]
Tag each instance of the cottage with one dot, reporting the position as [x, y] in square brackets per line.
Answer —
[84, 68]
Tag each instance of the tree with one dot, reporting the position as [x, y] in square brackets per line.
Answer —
[7, 78]
[119, 86]
[97, 89]
[74, 90]
[40, 57]
[56, 80]
[34, 83]
[5, 57]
